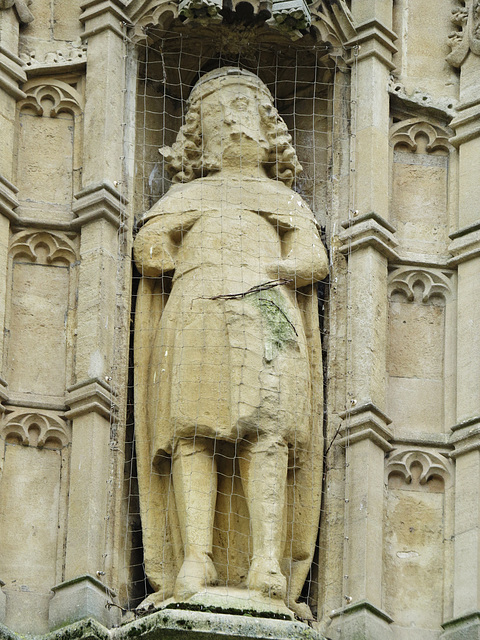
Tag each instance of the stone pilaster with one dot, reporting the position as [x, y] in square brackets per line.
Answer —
[12, 76]
[8, 204]
[371, 67]
[465, 248]
[92, 411]
[104, 108]
[99, 208]
[368, 243]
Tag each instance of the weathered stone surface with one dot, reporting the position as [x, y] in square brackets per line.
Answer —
[230, 356]
[45, 153]
[82, 597]
[173, 624]
[422, 34]
[179, 624]
[369, 97]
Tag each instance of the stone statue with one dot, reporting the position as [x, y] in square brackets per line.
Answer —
[24, 14]
[228, 388]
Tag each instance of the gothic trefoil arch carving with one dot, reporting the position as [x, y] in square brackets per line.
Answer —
[431, 464]
[64, 96]
[35, 429]
[406, 133]
[434, 283]
[38, 246]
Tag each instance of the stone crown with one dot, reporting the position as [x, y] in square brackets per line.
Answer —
[224, 76]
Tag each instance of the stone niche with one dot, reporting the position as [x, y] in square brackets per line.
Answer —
[49, 147]
[419, 184]
[34, 458]
[300, 77]
[40, 322]
[417, 555]
[419, 351]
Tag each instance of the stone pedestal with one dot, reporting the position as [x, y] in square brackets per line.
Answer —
[361, 620]
[466, 627]
[169, 624]
[176, 624]
[82, 597]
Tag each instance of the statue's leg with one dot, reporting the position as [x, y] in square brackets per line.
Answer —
[195, 484]
[263, 468]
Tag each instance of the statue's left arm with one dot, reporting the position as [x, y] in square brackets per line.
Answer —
[303, 256]
[156, 245]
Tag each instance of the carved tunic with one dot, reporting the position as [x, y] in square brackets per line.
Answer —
[235, 366]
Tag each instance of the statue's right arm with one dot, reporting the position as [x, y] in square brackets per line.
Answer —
[156, 245]
[153, 250]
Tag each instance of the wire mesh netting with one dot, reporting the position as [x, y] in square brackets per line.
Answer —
[225, 424]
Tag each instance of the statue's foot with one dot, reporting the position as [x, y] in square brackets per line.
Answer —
[301, 610]
[152, 602]
[265, 576]
[197, 573]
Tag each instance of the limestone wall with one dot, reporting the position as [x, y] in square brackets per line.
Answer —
[65, 305]
[382, 102]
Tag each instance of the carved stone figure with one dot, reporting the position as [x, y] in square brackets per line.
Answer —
[228, 357]
[24, 14]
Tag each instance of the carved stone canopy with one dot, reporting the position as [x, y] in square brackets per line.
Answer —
[332, 21]
[21, 6]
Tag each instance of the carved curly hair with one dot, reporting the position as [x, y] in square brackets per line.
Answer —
[187, 159]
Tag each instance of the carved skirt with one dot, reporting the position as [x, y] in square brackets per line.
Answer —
[230, 369]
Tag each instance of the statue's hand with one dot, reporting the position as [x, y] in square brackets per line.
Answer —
[304, 256]
[285, 270]
[153, 251]
[299, 272]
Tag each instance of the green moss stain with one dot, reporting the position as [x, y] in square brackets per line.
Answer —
[278, 327]
[190, 606]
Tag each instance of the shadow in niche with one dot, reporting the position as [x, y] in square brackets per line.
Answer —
[138, 588]
[301, 82]
[310, 591]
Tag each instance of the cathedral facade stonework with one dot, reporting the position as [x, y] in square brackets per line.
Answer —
[240, 378]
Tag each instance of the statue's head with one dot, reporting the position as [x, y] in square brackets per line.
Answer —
[231, 111]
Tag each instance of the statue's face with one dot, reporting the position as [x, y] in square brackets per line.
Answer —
[231, 123]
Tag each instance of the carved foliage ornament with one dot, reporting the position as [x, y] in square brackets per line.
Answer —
[39, 430]
[41, 95]
[24, 14]
[333, 21]
[408, 281]
[466, 37]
